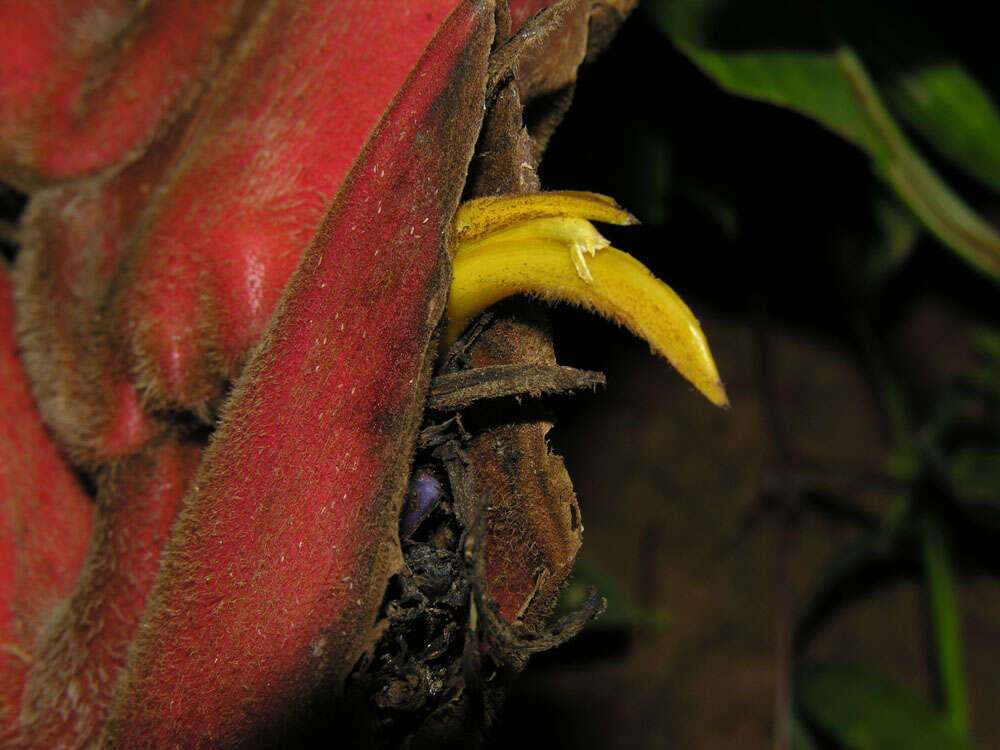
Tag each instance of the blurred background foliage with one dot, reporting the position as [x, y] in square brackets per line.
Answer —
[818, 566]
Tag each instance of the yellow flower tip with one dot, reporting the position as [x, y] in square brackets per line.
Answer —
[529, 249]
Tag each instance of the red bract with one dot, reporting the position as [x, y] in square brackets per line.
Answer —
[45, 519]
[170, 269]
[196, 150]
[85, 85]
[81, 648]
[313, 450]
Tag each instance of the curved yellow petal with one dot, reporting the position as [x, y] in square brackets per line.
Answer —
[485, 216]
[622, 289]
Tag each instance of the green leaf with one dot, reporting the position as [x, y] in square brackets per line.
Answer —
[865, 711]
[951, 110]
[946, 631]
[987, 343]
[733, 42]
[801, 738]
[974, 470]
[622, 612]
[897, 235]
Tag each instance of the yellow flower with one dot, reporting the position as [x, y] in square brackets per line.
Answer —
[544, 245]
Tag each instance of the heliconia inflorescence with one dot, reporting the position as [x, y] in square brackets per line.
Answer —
[234, 281]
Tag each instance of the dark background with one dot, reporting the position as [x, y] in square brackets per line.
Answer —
[709, 529]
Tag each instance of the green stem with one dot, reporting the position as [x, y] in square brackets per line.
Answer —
[944, 620]
[941, 210]
[943, 611]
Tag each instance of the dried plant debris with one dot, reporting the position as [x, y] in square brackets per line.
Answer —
[445, 656]
[416, 666]
[454, 391]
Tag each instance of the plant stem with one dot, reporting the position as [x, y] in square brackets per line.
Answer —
[939, 586]
[943, 212]
[944, 623]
